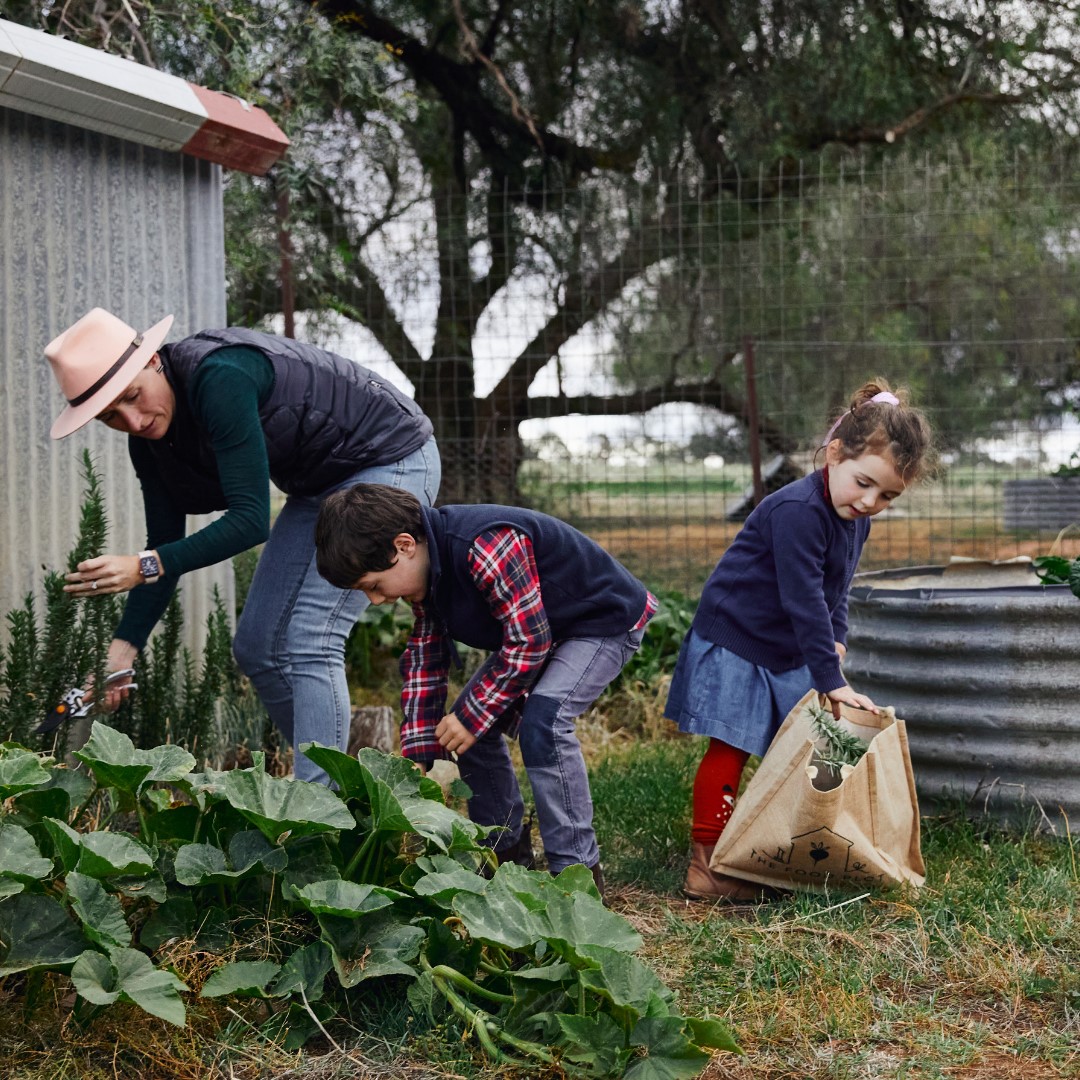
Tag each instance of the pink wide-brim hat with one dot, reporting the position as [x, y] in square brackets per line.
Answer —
[95, 361]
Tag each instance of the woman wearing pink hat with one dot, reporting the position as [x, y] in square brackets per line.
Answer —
[211, 420]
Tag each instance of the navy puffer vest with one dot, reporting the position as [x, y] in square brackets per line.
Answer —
[325, 418]
[586, 592]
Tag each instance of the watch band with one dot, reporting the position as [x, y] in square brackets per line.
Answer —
[149, 567]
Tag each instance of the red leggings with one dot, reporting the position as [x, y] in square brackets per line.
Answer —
[715, 787]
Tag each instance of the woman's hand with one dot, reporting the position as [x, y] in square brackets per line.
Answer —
[844, 695]
[104, 575]
[120, 657]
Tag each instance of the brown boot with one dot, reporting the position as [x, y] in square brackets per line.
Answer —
[705, 884]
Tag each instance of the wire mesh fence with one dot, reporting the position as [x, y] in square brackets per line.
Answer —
[588, 352]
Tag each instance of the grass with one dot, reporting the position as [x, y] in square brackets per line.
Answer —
[974, 977]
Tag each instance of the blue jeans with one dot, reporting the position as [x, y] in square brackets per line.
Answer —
[573, 678]
[290, 640]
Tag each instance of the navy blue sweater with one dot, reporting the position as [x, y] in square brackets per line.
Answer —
[586, 592]
[778, 596]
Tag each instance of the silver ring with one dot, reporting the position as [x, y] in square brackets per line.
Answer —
[93, 584]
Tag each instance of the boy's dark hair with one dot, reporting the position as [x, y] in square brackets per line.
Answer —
[355, 530]
[899, 432]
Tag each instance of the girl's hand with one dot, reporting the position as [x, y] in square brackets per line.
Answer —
[104, 575]
[844, 695]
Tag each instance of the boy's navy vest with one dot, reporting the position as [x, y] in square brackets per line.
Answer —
[325, 418]
[586, 592]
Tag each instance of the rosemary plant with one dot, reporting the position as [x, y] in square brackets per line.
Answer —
[836, 746]
[67, 643]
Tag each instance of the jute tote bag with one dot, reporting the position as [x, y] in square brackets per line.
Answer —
[802, 824]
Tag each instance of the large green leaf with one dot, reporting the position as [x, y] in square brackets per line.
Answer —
[180, 919]
[174, 920]
[399, 774]
[107, 854]
[199, 864]
[305, 970]
[558, 972]
[311, 858]
[436, 822]
[624, 980]
[371, 948]
[101, 912]
[347, 773]
[346, 899]
[514, 911]
[444, 878]
[149, 887]
[67, 843]
[499, 917]
[536, 889]
[670, 1055]
[75, 783]
[117, 762]
[279, 807]
[578, 924]
[244, 978]
[208, 786]
[20, 770]
[95, 978]
[36, 932]
[129, 975]
[387, 813]
[36, 803]
[19, 854]
[596, 1041]
[205, 864]
[399, 797]
[714, 1034]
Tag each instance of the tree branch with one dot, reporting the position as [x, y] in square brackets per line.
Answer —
[504, 136]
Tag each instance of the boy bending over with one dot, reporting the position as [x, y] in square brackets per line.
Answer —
[559, 615]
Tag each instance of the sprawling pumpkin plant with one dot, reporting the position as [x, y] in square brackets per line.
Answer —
[105, 869]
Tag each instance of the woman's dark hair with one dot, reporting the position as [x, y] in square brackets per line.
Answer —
[355, 530]
[900, 432]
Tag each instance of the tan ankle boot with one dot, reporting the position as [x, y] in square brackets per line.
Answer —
[705, 884]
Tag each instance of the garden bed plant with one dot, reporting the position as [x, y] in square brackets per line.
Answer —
[106, 869]
[146, 882]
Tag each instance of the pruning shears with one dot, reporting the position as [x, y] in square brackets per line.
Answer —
[75, 702]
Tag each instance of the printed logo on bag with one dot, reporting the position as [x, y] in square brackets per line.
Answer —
[815, 856]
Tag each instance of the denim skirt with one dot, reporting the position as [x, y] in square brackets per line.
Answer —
[716, 693]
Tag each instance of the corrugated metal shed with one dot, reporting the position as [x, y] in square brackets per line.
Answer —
[87, 220]
[88, 217]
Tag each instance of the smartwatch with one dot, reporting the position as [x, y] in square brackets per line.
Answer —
[149, 567]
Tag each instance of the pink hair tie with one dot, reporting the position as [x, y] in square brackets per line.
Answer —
[883, 398]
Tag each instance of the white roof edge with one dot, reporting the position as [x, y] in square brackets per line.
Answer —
[50, 76]
[9, 55]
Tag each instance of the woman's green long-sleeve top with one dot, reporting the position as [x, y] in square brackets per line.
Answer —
[224, 396]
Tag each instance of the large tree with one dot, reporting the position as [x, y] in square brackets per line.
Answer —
[562, 153]
[591, 145]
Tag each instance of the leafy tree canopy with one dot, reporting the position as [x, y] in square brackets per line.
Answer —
[449, 156]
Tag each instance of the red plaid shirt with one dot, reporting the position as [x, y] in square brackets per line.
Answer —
[503, 568]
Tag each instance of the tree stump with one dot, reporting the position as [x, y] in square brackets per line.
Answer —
[373, 725]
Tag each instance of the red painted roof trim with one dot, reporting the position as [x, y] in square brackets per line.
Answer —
[235, 134]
